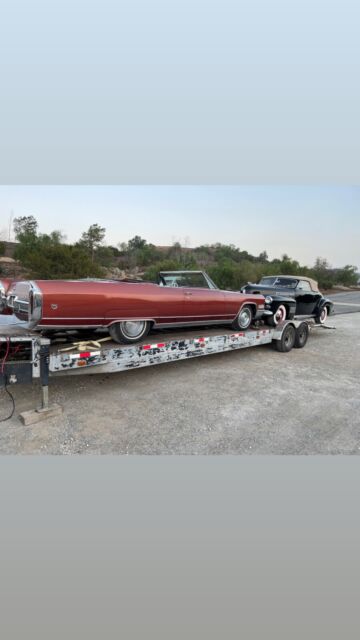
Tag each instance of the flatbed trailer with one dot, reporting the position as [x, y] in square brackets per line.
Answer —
[28, 356]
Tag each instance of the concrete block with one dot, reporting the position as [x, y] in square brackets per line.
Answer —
[37, 415]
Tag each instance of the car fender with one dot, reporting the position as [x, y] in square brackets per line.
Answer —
[289, 303]
[321, 303]
[258, 308]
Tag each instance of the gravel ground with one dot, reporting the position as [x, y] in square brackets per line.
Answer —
[254, 401]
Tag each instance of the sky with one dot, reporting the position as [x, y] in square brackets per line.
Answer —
[304, 222]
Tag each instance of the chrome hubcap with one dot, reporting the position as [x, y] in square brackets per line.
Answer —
[133, 329]
[244, 318]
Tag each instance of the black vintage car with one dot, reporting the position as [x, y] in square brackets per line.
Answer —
[309, 301]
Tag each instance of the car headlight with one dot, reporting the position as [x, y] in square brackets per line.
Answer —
[268, 299]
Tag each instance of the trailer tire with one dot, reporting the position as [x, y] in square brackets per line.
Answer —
[287, 340]
[301, 335]
[129, 331]
[244, 318]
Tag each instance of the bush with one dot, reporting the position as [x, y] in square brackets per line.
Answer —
[45, 257]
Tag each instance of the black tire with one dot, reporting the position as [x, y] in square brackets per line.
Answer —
[301, 335]
[279, 316]
[322, 315]
[121, 332]
[287, 340]
[244, 318]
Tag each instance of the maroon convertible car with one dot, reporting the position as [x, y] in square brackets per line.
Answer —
[130, 309]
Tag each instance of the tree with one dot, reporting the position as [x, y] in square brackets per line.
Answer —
[323, 274]
[25, 226]
[136, 243]
[263, 256]
[139, 252]
[46, 257]
[347, 276]
[104, 256]
[123, 247]
[92, 239]
[176, 251]
[57, 236]
[321, 264]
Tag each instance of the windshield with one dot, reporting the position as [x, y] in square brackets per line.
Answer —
[186, 279]
[289, 283]
[267, 281]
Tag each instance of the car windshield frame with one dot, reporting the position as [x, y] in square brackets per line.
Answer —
[287, 283]
[207, 282]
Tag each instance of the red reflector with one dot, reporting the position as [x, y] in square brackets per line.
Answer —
[154, 346]
[86, 354]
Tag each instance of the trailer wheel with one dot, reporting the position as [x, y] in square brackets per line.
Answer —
[287, 340]
[244, 319]
[129, 331]
[301, 335]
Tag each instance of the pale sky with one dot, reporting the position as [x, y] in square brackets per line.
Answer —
[304, 222]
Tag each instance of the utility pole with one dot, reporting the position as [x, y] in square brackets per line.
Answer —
[10, 223]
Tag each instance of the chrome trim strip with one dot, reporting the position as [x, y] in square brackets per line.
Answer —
[72, 318]
[131, 319]
[159, 325]
[68, 327]
[165, 325]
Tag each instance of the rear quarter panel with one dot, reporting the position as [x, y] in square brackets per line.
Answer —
[234, 301]
[89, 302]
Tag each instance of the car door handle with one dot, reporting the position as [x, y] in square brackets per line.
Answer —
[188, 293]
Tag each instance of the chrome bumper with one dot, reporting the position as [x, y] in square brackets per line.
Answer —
[28, 310]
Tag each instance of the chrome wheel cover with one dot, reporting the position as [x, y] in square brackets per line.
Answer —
[323, 315]
[244, 318]
[280, 315]
[133, 329]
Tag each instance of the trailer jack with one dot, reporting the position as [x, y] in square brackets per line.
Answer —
[46, 410]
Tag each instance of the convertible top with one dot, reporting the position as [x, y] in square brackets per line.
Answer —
[313, 284]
